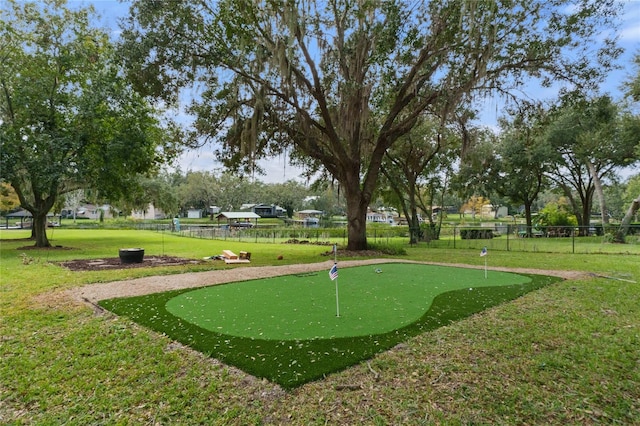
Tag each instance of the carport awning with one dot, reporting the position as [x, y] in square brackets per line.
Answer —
[237, 215]
[18, 214]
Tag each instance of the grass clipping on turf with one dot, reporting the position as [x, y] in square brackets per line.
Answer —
[285, 328]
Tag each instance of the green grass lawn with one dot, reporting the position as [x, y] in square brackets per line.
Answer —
[566, 353]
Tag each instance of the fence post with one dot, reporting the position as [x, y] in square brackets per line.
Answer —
[455, 228]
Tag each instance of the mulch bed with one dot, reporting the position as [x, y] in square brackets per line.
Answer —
[114, 263]
[356, 253]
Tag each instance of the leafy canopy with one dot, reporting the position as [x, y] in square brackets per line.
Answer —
[68, 117]
[336, 83]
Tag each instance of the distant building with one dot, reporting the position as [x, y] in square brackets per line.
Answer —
[247, 206]
[194, 213]
[151, 212]
[238, 219]
[308, 218]
[88, 211]
[309, 213]
[375, 217]
[264, 210]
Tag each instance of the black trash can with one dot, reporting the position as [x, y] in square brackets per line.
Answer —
[131, 255]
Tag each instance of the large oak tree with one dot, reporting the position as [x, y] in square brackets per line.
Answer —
[633, 91]
[415, 165]
[523, 159]
[592, 139]
[340, 81]
[68, 118]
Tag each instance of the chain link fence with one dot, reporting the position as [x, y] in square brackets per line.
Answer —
[520, 238]
[492, 235]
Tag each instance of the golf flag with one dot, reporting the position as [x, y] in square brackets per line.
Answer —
[333, 273]
[483, 252]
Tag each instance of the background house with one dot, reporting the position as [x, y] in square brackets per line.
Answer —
[88, 211]
[265, 210]
[151, 212]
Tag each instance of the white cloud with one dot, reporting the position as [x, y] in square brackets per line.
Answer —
[630, 34]
[631, 21]
[198, 160]
[279, 170]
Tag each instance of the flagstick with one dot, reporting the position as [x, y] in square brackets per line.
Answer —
[485, 267]
[337, 301]
[335, 262]
[484, 254]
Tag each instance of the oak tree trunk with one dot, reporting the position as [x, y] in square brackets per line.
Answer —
[624, 225]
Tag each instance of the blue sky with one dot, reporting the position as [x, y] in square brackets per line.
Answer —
[278, 170]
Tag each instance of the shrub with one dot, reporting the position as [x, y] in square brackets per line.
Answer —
[476, 234]
[554, 214]
[389, 249]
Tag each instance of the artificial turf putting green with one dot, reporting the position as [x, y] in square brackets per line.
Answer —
[372, 300]
[286, 328]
